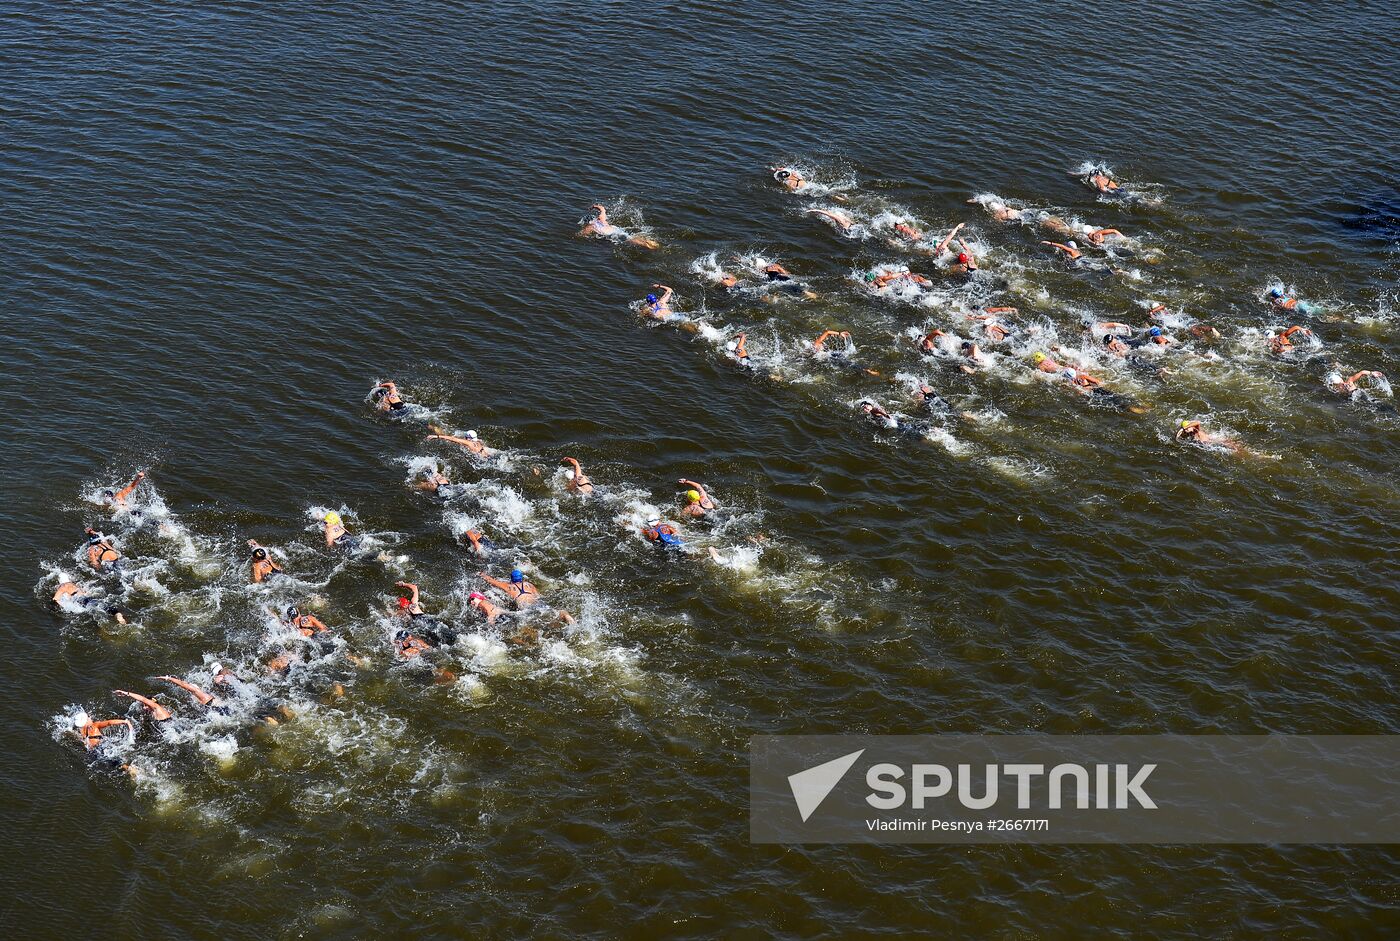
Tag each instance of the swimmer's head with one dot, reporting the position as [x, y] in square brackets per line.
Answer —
[332, 518]
[1037, 357]
[260, 553]
[469, 435]
[516, 575]
[966, 345]
[81, 718]
[292, 612]
[1276, 292]
[1072, 244]
[216, 668]
[1186, 423]
[1155, 332]
[1108, 339]
[870, 276]
[569, 475]
[108, 495]
[692, 496]
[925, 389]
[651, 298]
[964, 258]
[781, 174]
[404, 603]
[732, 345]
[475, 598]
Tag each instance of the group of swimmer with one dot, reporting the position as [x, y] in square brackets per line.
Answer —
[990, 325]
[416, 632]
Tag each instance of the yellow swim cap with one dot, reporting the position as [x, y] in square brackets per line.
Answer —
[1185, 423]
[332, 518]
[1037, 357]
[693, 496]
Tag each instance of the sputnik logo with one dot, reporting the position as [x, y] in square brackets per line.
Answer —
[810, 787]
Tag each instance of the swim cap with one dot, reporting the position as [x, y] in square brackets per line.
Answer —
[292, 612]
[568, 475]
[651, 298]
[1275, 292]
[404, 602]
[476, 596]
[516, 575]
[870, 276]
[260, 553]
[963, 258]
[693, 496]
[1186, 423]
[1037, 357]
[781, 174]
[216, 668]
[1072, 244]
[81, 718]
[332, 518]
[1155, 332]
[469, 435]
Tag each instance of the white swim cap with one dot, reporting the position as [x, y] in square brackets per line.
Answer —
[569, 475]
[470, 435]
[1071, 244]
[996, 205]
[216, 668]
[732, 345]
[80, 718]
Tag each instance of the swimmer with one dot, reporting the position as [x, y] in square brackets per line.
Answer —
[307, 624]
[408, 645]
[337, 536]
[738, 350]
[481, 546]
[1281, 344]
[225, 677]
[838, 218]
[1102, 182]
[665, 535]
[158, 712]
[696, 501]
[521, 593]
[260, 566]
[198, 695]
[1079, 380]
[432, 481]
[409, 607]
[841, 357]
[969, 351]
[91, 732]
[385, 396]
[884, 419]
[467, 439]
[906, 232]
[999, 210]
[658, 308]
[790, 179]
[479, 603]
[965, 263]
[100, 552]
[1192, 431]
[929, 400]
[886, 278]
[576, 480]
[1282, 302]
[928, 343]
[1097, 236]
[598, 226]
[117, 500]
[1203, 331]
[1070, 249]
[992, 325]
[1346, 386]
[73, 593]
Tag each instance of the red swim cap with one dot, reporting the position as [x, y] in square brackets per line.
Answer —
[962, 258]
[404, 602]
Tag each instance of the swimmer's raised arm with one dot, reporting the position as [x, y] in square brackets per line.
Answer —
[665, 294]
[502, 584]
[1296, 328]
[948, 239]
[705, 500]
[125, 492]
[200, 696]
[1071, 252]
[409, 586]
[158, 712]
[108, 723]
[1000, 310]
[739, 345]
[819, 341]
[1100, 233]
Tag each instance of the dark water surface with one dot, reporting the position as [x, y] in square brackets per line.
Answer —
[221, 223]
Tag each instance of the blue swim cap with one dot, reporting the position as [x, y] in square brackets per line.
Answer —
[651, 298]
[1275, 292]
[1155, 332]
[517, 576]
